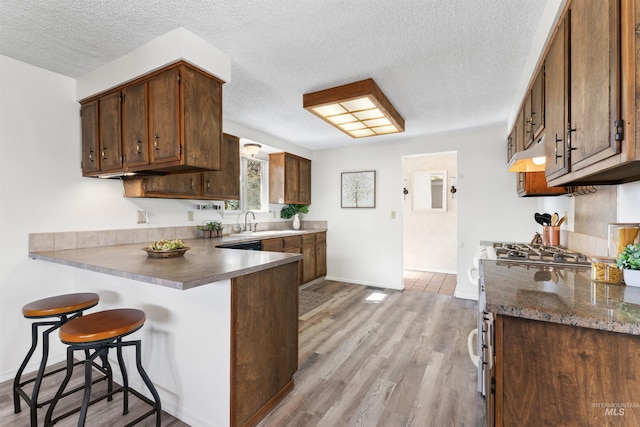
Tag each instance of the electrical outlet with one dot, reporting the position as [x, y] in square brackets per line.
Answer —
[189, 215]
[142, 217]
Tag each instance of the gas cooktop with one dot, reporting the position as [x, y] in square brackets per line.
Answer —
[537, 254]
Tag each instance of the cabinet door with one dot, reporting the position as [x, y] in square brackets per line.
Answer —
[135, 143]
[594, 81]
[272, 245]
[308, 263]
[89, 118]
[321, 254]
[304, 181]
[510, 145]
[164, 117]
[202, 103]
[225, 184]
[292, 179]
[519, 131]
[537, 104]
[109, 134]
[184, 185]
[556, 98]
[527, 121]
[535, 184]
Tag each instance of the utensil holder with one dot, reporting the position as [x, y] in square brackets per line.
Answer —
[550, 235]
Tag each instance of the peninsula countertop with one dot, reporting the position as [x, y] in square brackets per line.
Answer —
[560, 295]
[202, 264]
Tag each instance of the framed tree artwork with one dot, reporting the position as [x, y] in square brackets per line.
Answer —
[358, 189]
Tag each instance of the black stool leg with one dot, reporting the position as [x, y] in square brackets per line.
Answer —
[63, 385]
[125, 377]
[148, 383]
[88, 377]
[17, 386]
[109, 373]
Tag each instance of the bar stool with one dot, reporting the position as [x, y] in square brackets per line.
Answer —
[97, 333]
[65, 308]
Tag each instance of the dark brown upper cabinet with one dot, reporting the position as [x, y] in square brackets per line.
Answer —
[289, 179]
[169, 121]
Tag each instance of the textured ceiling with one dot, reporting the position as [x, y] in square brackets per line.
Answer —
[444, 64]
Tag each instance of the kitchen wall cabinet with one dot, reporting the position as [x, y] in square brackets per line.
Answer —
[598, 143]
[536, 117]
[216, 185]
[169, 121]
[535, 184]
[225, 183]
[89, 121]
[553, 374]
[289, 179]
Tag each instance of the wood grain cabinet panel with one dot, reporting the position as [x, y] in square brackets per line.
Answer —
[135, 141]
[225, 183]
[553, 374]
[312, 246]
[289, 179]
[109, 132]
[264, 341]
[89, 118]
[164, 116]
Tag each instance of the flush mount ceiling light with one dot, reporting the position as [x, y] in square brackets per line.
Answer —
[358, 109]
[252, 148]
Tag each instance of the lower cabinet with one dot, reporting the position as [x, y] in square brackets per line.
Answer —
[264, 341]
[312, 246]
[553, 374]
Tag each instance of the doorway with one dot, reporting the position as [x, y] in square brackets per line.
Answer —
[430, 222]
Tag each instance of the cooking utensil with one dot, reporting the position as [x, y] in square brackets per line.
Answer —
[540, 219]
[564, 217]
[547, 218]
[554, 219]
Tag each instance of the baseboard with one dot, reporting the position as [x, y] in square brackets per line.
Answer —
[430, 270]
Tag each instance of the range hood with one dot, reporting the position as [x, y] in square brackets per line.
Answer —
[532, 159]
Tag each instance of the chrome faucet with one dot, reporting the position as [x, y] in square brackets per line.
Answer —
[245, 220]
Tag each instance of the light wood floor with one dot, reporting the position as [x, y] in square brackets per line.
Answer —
[399, 362]
[429, 282]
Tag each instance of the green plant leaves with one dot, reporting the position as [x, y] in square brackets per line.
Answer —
[288, 211]
[629, 258]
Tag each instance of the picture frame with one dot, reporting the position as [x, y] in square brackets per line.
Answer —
[358, 189]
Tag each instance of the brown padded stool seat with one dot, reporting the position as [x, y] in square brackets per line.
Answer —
[103, 325]
[60, 304]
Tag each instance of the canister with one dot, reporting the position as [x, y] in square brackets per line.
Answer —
[620, 235]
[605, 270]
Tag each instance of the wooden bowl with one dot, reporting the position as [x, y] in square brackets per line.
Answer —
[151, 253]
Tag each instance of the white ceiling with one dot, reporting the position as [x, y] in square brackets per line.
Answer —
[444, 64]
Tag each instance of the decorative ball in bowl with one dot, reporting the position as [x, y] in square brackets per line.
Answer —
[166, 249]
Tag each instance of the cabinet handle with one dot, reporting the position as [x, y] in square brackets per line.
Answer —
[91, 156]
[558, 156]
[569, 131]
[191, 183]
[208, 185]
[155, 141]
[138, 147]
[104, 156]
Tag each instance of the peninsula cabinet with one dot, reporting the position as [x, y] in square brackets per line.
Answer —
[553, 374]
[592, 100]
[289, 179]
[168, 121]
[216, 185]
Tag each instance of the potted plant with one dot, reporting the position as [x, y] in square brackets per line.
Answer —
[629, 261]
[210, 229]
[293, 211]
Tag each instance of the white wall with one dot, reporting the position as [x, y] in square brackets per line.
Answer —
[365, 245]
[430, 241]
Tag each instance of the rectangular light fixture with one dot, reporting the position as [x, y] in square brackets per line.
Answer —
[358, 109]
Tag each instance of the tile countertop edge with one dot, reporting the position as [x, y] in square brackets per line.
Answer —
[179, 285]
[609, 325]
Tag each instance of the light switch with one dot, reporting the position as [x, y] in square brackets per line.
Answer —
[189, 215]
[393, 214]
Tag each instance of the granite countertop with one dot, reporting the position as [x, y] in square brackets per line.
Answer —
[204, 263]
[563, 295]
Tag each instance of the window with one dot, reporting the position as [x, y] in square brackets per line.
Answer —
[254, 186]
